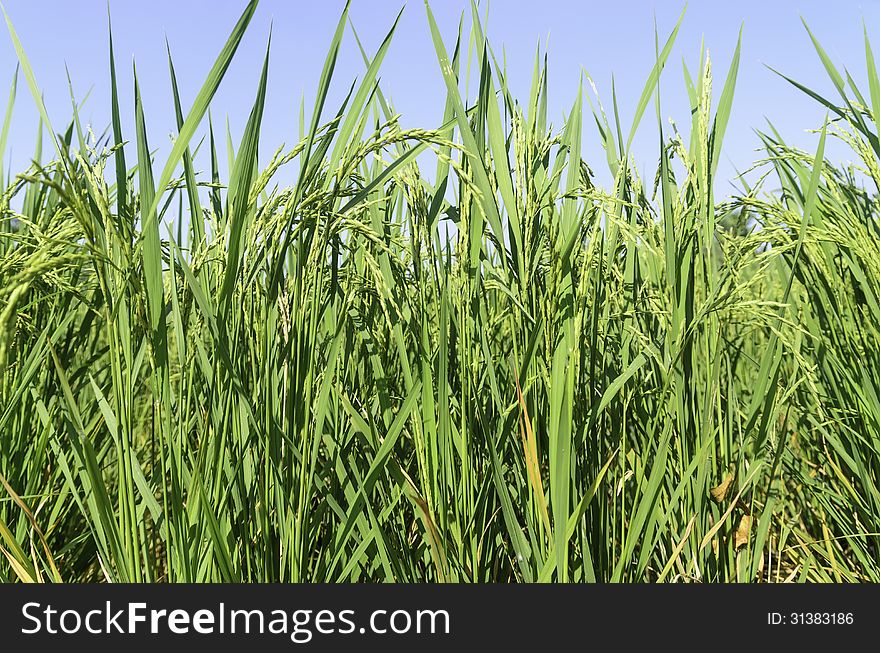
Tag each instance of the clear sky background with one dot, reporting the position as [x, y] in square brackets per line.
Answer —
[602, 37]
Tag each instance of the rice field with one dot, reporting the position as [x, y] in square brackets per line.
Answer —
[444, 354]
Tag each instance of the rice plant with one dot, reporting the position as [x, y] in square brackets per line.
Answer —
[441, 354]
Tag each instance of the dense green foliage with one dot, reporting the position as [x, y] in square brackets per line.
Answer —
[492, 370]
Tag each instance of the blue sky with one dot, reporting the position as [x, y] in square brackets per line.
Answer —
[603, 38]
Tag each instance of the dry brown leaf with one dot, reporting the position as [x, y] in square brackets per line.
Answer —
[719, 492]
[743, 532]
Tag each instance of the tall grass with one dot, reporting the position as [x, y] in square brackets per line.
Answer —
[488, 370]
